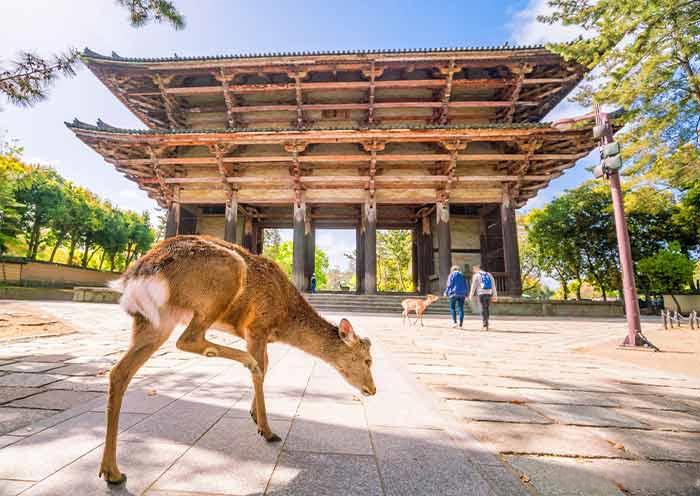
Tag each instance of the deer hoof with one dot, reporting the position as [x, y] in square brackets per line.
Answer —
[113, 478]
[270, 437]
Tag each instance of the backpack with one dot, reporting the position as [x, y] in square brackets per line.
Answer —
[485, 280]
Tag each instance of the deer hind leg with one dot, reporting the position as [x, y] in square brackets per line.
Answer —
[404, 314]
[258, 348]
[193, 339]
[253, 411]
[145, 341]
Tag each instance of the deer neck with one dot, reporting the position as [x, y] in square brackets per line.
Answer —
[312, 334]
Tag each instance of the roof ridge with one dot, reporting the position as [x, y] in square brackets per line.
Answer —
[90, 54]
[102, 126]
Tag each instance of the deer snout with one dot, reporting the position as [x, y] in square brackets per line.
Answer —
[369, 390]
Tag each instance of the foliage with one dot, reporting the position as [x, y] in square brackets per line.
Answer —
[26, 79]
[667, 272]
[282, 252]
[648, 54]
[43, 216]
[394, 248]
[573, 238]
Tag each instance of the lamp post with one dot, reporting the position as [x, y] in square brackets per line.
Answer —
[609, 168]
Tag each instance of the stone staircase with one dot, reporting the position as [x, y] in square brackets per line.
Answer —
[382, 303]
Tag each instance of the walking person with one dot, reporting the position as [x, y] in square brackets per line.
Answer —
[312, 285]
[456, 291]
[484, 287]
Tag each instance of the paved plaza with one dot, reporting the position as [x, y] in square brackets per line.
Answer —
[514, 411]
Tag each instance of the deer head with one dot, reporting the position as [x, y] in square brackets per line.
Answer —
[353, 360]
[431, 299]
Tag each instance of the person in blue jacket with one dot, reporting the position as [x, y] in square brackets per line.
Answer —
[456, 291]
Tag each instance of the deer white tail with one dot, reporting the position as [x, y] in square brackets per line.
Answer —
[143, 295]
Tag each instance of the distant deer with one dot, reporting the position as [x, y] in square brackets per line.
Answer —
[418, 305]
[209, 283]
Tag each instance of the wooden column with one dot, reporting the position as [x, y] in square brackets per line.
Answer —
[173, 220]
[444, 242]
[360, 260]
[415, 237]
[511, 257]
[248, 233]
[370, 223]
[310, 254]
[299, 248]
[231, 216]
[425, 254]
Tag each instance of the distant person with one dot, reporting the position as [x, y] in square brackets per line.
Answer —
[312, 286]
[484, 287]
[456, 291]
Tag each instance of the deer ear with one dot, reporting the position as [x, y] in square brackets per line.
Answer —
[346, 332]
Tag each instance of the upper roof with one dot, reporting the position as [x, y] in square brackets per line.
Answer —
[352, 88]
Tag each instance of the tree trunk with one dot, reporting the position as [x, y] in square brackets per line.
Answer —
[578, 289]
[678, 305]
[564, 288]
[71, 250]
[59, 241]
[111, 261]
[85, 260]
[102, 260]
[34, 240]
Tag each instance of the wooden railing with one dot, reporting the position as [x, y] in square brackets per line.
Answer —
[501, 281]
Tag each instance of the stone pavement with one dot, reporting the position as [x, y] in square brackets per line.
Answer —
[566, 422]
[186, 431]
[509, 412]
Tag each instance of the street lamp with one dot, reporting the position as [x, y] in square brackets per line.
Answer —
[609, 167]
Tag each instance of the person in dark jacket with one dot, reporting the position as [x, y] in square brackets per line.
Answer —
[312, 285]
[456, 291]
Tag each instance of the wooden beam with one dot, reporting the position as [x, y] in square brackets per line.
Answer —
[336, 180]
[448, 72]
[172, 109]
[372, 74]
[297, 77]
[347, 85]
[424, 157]
[229, 98]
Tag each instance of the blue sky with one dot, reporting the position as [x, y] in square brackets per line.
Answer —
[218, 27]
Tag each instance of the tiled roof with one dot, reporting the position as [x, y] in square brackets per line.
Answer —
[89, 54]
[102, 126]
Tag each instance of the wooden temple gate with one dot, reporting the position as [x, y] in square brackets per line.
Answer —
[446, 143]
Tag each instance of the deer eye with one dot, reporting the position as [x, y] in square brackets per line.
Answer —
[368, 362]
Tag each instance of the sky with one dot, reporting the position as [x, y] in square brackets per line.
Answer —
[226, 27]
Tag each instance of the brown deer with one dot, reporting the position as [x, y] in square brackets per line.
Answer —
[209, 283]
[417, 305]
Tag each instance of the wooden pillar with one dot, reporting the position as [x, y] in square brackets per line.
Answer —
[173, 220]
[248, 234]
[444, 242]
[511, 257]
[231, 219]
[415, 237]
[425, 255]
[370, 222]
[310, 266]
[360, 260]
[299, 248]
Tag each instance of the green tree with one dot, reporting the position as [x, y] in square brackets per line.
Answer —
[25, 80]
[670, 271]
[282, 252]
[648, 53]
[394, 249]
[11, 169]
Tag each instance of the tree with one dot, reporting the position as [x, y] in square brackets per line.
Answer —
[25, 80]
[649, 53]
[282, 252]
[394, 248]
[670, 271]
[11, 169]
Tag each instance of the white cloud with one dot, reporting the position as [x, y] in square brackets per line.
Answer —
[525, 29]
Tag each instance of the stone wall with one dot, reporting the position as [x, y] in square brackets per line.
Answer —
[688, 303]
[52, 274]
[555, 308]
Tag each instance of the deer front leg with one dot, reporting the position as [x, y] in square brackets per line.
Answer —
[253, 413]
[258, 349]
[145, 341]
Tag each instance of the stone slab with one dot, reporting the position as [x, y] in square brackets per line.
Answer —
[141, 462]
[146, 401]
[13, 487]
[21, 379]
[656, 445]
[12, 419]
[40, 455]
[330, 429]
[401, 410]
[562, 477]
[550, 439]
[414, 461]
[310, 474]
[588, 416]
[496, 412]
[666, 420]
[231, 458]
[28, 366]
[57, 400]
[8, 393]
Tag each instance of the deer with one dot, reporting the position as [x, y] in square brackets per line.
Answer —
[417, 305]
[206, 282]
